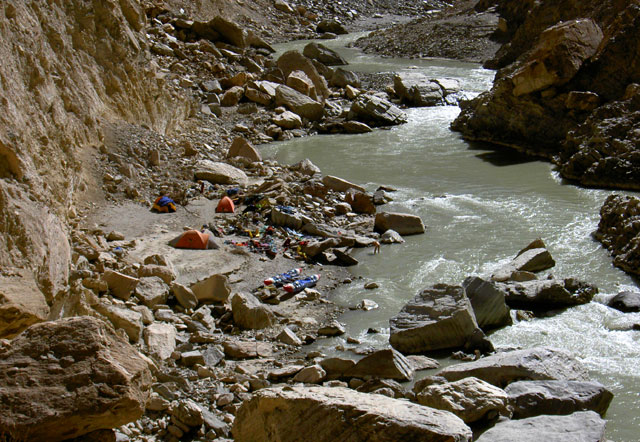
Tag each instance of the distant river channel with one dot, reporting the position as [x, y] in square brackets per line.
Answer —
[480, 207]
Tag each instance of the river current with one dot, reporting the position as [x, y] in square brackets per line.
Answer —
[480, 207]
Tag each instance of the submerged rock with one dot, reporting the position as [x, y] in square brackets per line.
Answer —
[376, 111]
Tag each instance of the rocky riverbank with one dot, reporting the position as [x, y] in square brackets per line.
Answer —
[565, 89]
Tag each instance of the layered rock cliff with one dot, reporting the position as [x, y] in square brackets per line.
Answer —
[565, 88]
[68, 68]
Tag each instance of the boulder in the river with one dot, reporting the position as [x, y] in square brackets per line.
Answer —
[64, 379]
[547, 294]
[285, 413]
[385, 364]
[299, 103]
[579, 426]
[438, 317]
[376, 111]
[560, 52]
[626, 302]
[340, 185]
[488, 303]
[402, 223]
[391, 237]
[331, 26]
[360, 202]
[471, 399]
[533, 398]
[219, 173]
[538, 363]
[416, 89]
[530, 259]
[323, 54]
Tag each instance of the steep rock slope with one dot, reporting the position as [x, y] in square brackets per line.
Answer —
[67, 69]
[566, 75]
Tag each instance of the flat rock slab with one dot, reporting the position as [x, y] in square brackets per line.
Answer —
[219, 173]
[539, 363]
[67, 378]
[286, 413]
[583, 426]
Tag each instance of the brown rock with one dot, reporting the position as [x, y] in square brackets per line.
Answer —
[21, 303]
[214, 288]
[299, 103]
[294, 61]
[403, 223]
[82, 376]
[242, 148]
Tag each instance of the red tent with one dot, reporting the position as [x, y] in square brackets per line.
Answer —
[226, 205]
[192, 239]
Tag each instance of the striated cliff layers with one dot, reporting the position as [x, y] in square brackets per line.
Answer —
[566, 88]
[68, 68]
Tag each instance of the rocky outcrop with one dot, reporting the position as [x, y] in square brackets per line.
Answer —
[343, 414]
[470, 399]
[533, 398]
[626, 302]
[583, 425]
[438, 317]
[619, 231]
[82, 376]
[565, 89]
[539, 363]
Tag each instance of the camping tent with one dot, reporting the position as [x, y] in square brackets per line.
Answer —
[225, 205]
[193, 239]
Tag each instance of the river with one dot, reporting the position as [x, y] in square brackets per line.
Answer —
[480, 207]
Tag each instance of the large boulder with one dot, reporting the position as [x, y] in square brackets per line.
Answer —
[299, 81]
[416, 89]
[299, 103]
[533, 398]
[559, 54]
[323, 54]
[285, 413]
[331, 26]
[547, 294]
[533, 258]
[539, 363]
[384, 364]
[376, 111]
[152, 291]
[360, 202]
[488, 303]
[120, 285]
[580, 426]
[214, 288]
[242, 148]
[287, 120]
[343, 78]
[438, 317]
[63, 379]
[219, 173]
[402, 223]
[294, 61]
[471, 399]
[21, 303]
[123, 318]
[250, 313]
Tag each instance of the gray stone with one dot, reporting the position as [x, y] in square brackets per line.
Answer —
[376, 111]
[488, 303]
[533, 398]
[402, 223]
[219, 173]
[339, 184]
[416, 89]
[336, 367]
[391, 237]
[386, 364]
[184, 295]
[471, 399]
[161, 340]
[314, 374]
[152, 291]
[547, 294]
[343, 78]
[299, 103]
[334, 328]
[122, 318]
[250, 313]
[289, 337]
[286, 413]
[242, 148]
[626, 302]
[539, 363]
[214, 288]
[580, 426]
[323, 54]
[438, 317]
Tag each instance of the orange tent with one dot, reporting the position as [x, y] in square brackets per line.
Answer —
[226, 205]
[192, 239]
